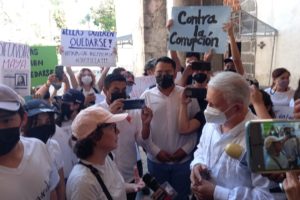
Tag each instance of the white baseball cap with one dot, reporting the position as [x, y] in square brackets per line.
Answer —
[88, 119]
[9, 99]
[270, 139]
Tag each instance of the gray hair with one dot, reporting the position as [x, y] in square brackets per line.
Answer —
[233, 86]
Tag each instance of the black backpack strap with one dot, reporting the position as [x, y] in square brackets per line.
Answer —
[96, 174]
[95, 90]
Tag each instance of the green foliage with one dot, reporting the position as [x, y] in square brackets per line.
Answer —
[60, 20]
[102, 16]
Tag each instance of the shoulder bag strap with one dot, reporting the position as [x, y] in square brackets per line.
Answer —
[96, 174]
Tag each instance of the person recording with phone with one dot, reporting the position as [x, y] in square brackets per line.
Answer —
[126, 153]
[217, 174]
[291, 184]
[56, 84]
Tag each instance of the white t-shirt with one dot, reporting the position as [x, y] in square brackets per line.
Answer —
[281, 98]
[164, 131]
[63, 137]
[82, 183]
[34, 178]
[55, 153]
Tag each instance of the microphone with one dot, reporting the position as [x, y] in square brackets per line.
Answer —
[161, 192]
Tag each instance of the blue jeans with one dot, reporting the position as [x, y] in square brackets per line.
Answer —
[177, 175]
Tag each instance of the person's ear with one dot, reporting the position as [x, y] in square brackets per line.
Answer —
[24, 119]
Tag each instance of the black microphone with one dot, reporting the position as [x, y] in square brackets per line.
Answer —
[161, 192]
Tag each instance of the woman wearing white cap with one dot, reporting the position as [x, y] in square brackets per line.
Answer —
[26, 170]
[96, 176]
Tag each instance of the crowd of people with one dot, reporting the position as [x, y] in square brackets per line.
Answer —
[75, 147]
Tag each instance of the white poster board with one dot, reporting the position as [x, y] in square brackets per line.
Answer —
[15, 67]
[88, 48]
[199, 29]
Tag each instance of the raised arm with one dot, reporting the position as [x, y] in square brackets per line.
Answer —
[73, 80]
[100, 82]
[173, 54]
[186, 125]
[236, 57]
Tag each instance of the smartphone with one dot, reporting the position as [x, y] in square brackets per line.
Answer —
[131, 104]
[117, 95]
[273, 145]
[199, 93]
[59, 72]
[201, 65]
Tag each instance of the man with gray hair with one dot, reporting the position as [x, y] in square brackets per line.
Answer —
[216, 174]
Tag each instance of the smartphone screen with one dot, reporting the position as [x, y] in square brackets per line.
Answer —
[273, 145]
[199, 93]
[59, 72]
[201, 65]
[131, 104]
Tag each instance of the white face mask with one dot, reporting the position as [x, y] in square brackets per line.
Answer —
[86, 80]
[214, 115]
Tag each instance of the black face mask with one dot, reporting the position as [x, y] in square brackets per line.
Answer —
[165, 81]
[42, 133]
[66, 110]
[117, 95]
[200, 77]
[9, 137]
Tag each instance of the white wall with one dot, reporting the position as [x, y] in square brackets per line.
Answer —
[285, 17]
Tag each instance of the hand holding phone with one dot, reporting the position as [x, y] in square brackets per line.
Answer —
[272, 145]
[59, 72]
[199, 93]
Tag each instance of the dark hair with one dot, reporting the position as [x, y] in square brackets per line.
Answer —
[297, 92]
[167, 60]
[85, 147]
[118, 70]
[192, 54]
[267, 102]
[31, 122]
[278, 72]
[111, 78]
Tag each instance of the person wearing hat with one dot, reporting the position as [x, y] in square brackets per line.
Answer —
[40, 124]
[275, 159]
[72, 104]
[96, 176]
[26, 170]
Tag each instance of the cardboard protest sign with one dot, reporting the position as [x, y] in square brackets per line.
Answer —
[43, 62]
[141, 84]
[199, 28]
[88, 48]
[283, 112]
[15, 67]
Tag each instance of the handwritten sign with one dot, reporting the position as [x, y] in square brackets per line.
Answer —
[43, 61]
[141, 84]
[88, 48]
[199, 28]
[15, 67]
[284, 112]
